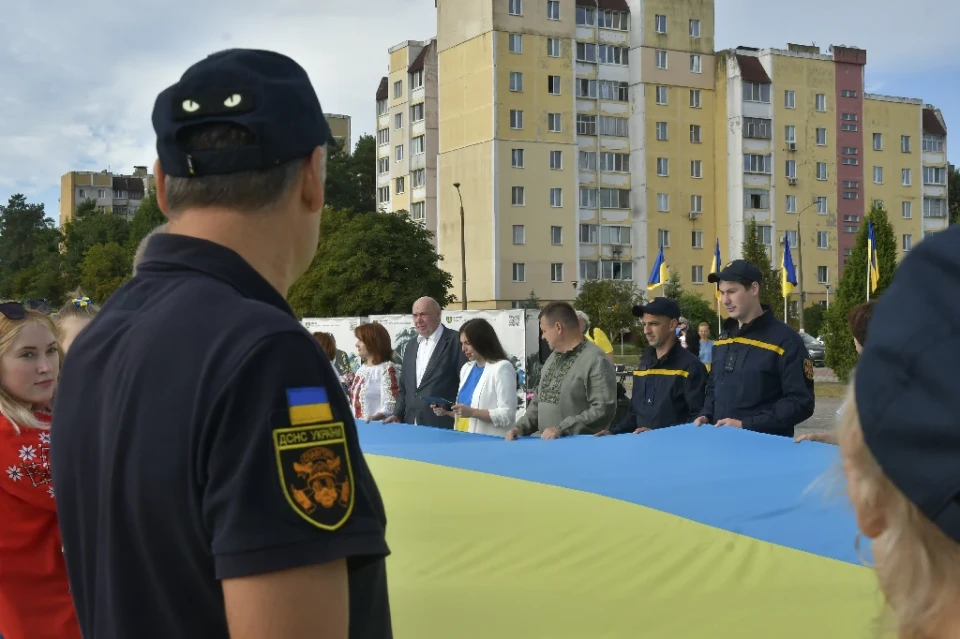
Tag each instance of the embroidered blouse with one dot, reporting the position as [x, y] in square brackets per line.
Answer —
[374, 390]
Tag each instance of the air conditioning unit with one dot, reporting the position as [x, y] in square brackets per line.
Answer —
[694, 215]
[791, 146]
[792, 181]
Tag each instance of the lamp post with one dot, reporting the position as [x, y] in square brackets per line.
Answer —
[828, 296]
[463, 253]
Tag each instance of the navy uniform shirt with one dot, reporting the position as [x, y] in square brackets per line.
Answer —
[761, 375]
[667, 391]
[201, 435]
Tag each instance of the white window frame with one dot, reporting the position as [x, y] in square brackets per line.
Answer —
[519, 272]
[789, 99]
[518, 196]
[516, 158]
[694, 28]
[522, 234]
[556, 272]
[663, 61]
[515, 39]
[516, 119]
[556, 198]
[554, 123]
[696, 63]
[515, 7]
[553, 47]
[662, 98]
[553, 9]
[660, 24]
[516, 82]
[558, 164]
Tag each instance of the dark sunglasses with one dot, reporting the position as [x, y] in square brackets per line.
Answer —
[18, 310]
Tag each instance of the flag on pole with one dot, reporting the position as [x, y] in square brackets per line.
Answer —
[715, 266]
[873, 269]
[788, 274]
[658, 275]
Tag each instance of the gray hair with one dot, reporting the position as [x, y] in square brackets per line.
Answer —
[246, 191]
[142, 247]
[584, 317]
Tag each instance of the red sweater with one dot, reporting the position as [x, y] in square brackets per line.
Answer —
[35, 600]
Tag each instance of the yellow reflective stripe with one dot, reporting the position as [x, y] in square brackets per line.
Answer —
[661, 371]
[750, 342]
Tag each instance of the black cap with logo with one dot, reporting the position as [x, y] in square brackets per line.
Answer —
[662, 306]
[737, 271]
[264, 92]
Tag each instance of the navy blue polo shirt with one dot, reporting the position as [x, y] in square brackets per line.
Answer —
[761, 375]
[201, 435]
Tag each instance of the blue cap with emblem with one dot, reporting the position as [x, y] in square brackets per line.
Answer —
[905, 386]
[266, 93]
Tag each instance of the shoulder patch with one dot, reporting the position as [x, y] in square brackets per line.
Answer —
[308, 405]
[808, 369]
[315, 472]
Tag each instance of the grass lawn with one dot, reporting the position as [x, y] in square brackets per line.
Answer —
[830, 389]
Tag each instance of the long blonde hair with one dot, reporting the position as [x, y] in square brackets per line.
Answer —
[17, 412]
[917, 565]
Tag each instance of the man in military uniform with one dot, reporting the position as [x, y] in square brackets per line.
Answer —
[668, 387]
[210, 483]
[761, 378]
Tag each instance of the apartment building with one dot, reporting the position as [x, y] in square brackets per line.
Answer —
[113, 193]
[407, 133]
[340, 128]
[586, 134]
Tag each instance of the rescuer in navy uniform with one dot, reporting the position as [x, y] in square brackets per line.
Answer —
[669, 385]
[762, 377]
[210, 484]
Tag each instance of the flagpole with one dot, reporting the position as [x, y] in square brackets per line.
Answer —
[869, 266]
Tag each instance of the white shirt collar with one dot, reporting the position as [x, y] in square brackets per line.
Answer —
[432, 338]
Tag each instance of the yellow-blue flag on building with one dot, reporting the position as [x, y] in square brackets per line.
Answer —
[715, 266]
[788, 272]
[659, 274]
[873, 268]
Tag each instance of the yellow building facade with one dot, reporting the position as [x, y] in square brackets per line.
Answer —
[113, 193]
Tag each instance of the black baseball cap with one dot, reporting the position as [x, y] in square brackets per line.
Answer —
[265, 92]
[736, 271]
[663, 306]
[905, 385]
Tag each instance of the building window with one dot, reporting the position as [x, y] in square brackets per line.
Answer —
[878, 142]
[516, 81]
[849, 127]
[694, 98]
[935, 175]
[821, 205]
[516, 158]
[383, 194]
[663, 202]
[878, 175]
[556, 235]
[661, 59]
[878, 204]
[696, 169]
[753, 163]
[663, 238]
[556, 272]
[398, 89]
[695, 134]
[615, 198]
[934, 207]
[517, 196]
[616, 270]
[400, 185]
[850, 161]
[586, 124]
[612, 90]
[661, 95]
[419, 145]
[614, 126]
[553, 47]
[791, 169]
[821, 137]
[821, 102]
[789, 100]
[847, 93]
[848, 184]
[905, 177]
[823, 275]
[851, 195]
[588, 198]
[791, 205]
[617, 20]
[660, 24]
[695, 63]
[589, 234]
[382, 108]
[696, 204]
[694, 28]
[615, 162]
[398, 121]
[516, 43]
[696, 239]
[791, 237]
[756, 92]
[553, 122]
[519, 272]
[758, 199]
[932, 143]
[588, 161]
[904, 143]
[696, 275]
[553, 84]
[556, 160]
[764, 232]
[822, 239]
[519, 234]
[663, 167]
[850, 150]
[516, 7]
[907, 242]
[553, 9]
[661, 131]
[416, 79]
[418, 212]
[398, 150]
[615, 235]
[821, 170]
[586, 88]
[609, 54]
[906, 210]
[849, 117]
[556, 198]
[383, 138]
[516, 119]
[758, 128]
[418, 178]
[586, 52]
[383, 165]
[789, 134]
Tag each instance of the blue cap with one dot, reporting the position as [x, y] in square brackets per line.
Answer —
[264, 92]
[662, 306]
[906, 385]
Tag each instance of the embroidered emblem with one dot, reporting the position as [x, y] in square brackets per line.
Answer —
[808, 369]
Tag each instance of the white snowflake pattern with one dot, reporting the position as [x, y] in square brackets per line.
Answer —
[27, 453]
[50, 490]
[44, 439]
[14, 473]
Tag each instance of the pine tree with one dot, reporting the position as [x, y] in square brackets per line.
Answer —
[755, 252]
[673, 288]
[852, 289]
[532, 301]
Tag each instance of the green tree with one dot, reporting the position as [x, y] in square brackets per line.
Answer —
[755, 252]
[351, 179]
[89, 228]
[365, 171]
[673, 288]
[532, 301]
[368, 264]
[696, 309]
[23, 228]
[852, 289]
[953, 194]
[46, 278]
[148, 217]
[813, 319]
[105, 267]
[609, 303]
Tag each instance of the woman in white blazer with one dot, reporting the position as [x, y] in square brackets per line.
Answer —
[487, 399]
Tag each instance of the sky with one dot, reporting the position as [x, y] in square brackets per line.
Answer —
[78, 80]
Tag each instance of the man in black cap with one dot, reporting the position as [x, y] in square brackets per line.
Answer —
[210, 482]
[761, 378]
[668, 388]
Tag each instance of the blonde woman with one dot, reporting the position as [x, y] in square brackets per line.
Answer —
[487, 399]
[73, 317]
[899, 436]
[35, 600]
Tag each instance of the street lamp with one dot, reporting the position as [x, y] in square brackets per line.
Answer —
[463, 252]
[828, 296]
